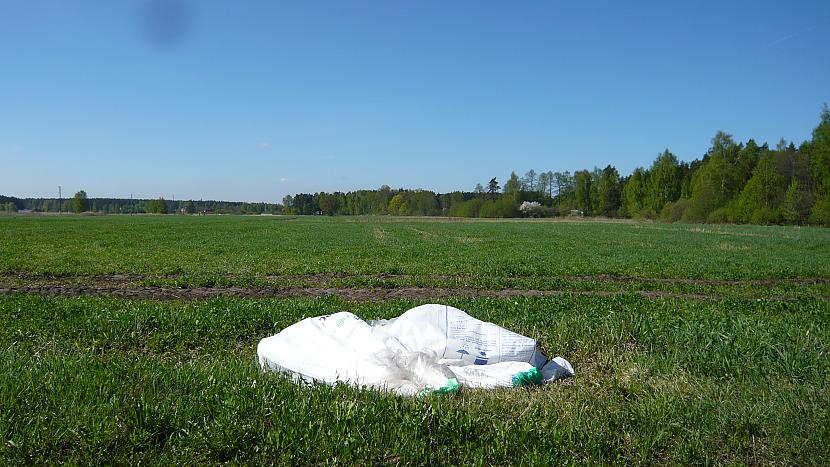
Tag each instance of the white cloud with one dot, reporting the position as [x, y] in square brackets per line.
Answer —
[283, 179]
[264, 145]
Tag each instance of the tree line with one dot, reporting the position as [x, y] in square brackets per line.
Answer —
[733, 182]
[80, 203]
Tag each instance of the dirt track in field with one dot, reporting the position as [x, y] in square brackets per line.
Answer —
[166, 293]
[314, 285]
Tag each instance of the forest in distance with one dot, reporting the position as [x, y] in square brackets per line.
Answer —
[734, 182]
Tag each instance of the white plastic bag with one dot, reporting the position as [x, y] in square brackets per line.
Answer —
[430, 347]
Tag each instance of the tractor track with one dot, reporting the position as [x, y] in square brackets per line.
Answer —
[135, 286]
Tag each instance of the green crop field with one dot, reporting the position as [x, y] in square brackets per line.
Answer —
[132, 339]
[250, 246]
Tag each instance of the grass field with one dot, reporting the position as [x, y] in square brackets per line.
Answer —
[691, 344]
[250, 246]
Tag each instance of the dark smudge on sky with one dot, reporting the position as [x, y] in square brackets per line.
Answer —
[165, 23]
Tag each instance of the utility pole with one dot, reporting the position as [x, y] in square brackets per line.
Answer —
[60, 201]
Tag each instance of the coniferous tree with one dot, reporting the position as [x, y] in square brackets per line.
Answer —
[493, 187]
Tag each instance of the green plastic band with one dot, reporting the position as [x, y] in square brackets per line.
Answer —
[528, 378]
[450, 387]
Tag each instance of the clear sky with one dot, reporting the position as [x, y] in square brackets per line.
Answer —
[252, 100]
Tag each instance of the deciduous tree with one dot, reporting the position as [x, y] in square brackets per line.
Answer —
[634, 193]
[609, 192]
[513, 185]
[529, 181]
[763, 193]
[80, 203]
[582, 185]
[664, 181]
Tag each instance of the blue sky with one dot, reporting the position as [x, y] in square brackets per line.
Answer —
[254, 100]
